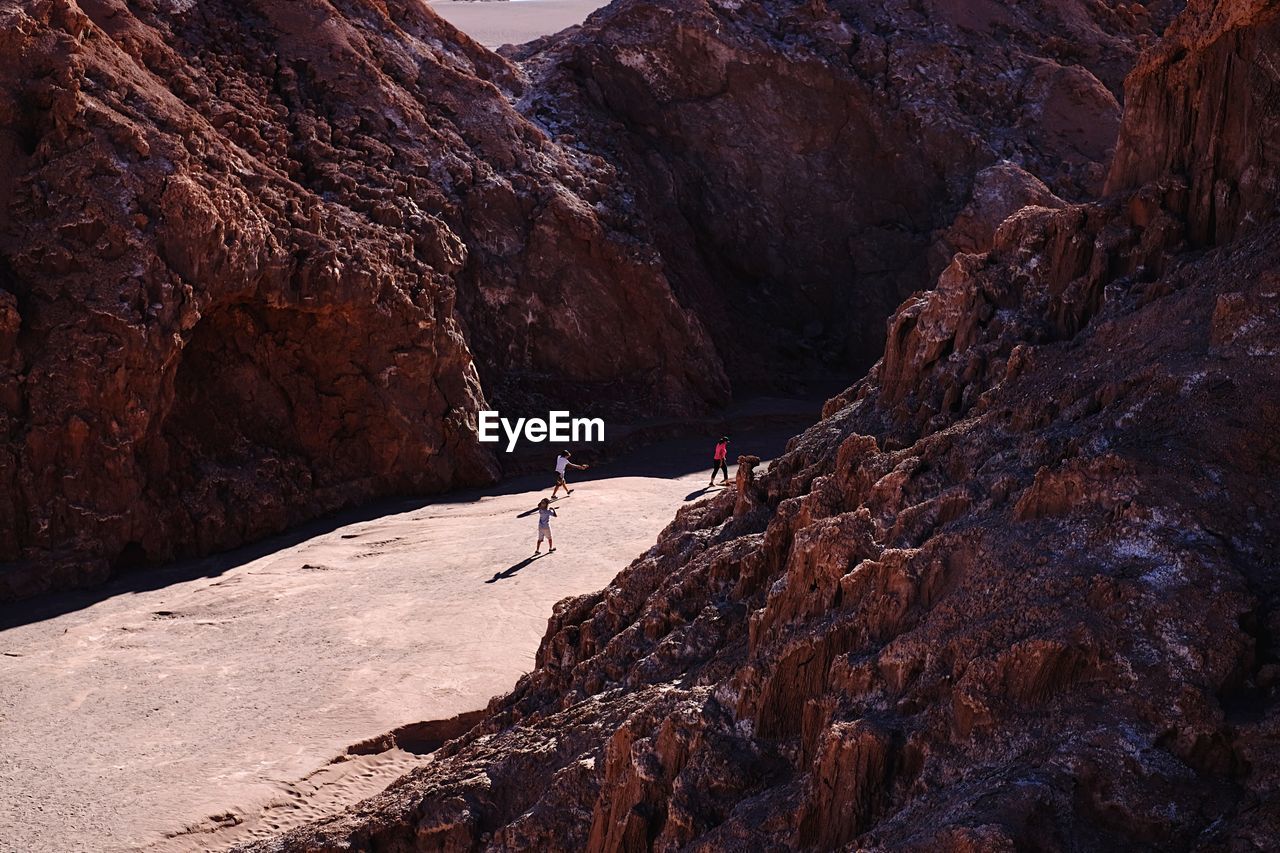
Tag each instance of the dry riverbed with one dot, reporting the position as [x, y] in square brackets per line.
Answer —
[200, 705]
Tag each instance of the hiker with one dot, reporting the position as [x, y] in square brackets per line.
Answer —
[545, 514]
[721, 462]
[562, 464]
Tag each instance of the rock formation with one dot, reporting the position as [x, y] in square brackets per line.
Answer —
[262, 260]
[800, 164]
[1017, 590]
[257, 259]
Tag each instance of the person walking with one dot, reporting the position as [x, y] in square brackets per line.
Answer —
[721, 461]
[562, 465]
[545, 514]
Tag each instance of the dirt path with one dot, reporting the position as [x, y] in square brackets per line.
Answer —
[494, 24]
[218, 692]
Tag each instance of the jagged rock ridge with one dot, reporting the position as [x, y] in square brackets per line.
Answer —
[1017, 590]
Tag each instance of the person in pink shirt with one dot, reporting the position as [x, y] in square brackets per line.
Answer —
[721, 461]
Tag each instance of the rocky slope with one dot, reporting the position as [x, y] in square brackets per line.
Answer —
[1017, 590]
[256, 260]
[801, 164]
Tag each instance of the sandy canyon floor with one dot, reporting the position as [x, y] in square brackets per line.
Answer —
[201, 705]
[494, 23]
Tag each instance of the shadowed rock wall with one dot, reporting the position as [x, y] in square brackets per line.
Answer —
[800, 164]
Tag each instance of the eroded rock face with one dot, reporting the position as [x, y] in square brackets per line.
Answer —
[797, 161]
[256, 260]
[1017, 590]
[1225, 149]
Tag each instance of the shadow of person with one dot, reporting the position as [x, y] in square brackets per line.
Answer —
[693, 496]
[501, 576]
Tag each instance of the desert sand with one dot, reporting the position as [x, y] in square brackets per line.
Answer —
[197, 706]
[494, 23]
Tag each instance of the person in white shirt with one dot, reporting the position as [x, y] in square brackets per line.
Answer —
[563, 464]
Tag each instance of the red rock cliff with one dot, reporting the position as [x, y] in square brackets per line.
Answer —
[262, 260]
[1017, 590]
[1221, 142]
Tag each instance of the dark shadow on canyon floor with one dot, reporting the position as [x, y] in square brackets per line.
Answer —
[759, 428]
[508, 573]
[704, 492]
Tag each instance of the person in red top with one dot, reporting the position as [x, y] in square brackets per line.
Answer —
[721, 461]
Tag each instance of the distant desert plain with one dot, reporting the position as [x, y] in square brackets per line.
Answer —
[494, 23]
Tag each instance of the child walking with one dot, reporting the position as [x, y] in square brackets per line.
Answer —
[563, 463]
[545, 514]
